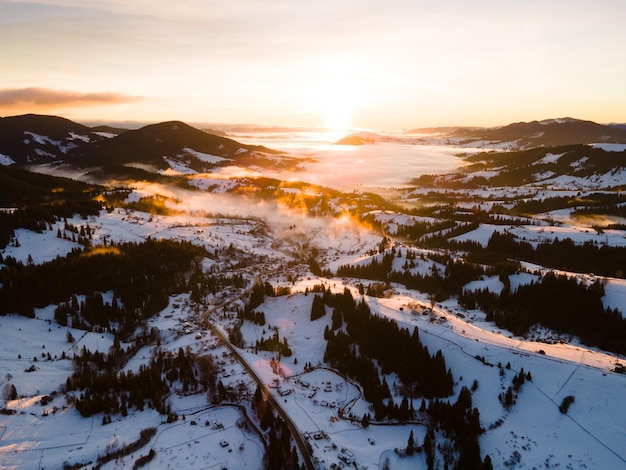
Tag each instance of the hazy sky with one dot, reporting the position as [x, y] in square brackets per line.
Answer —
[388, 64]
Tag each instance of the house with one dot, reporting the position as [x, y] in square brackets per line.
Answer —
[303, 383]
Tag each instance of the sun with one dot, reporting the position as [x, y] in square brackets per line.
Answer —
[337, 116]
[335, 102]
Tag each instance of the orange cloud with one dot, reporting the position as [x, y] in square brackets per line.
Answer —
[46, 98]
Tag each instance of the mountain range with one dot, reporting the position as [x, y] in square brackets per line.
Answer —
[38, 139]
[525, 135]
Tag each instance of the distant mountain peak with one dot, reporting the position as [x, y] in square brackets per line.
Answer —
[546, 133]
[36, 138]
[360, 138]
[559, 121]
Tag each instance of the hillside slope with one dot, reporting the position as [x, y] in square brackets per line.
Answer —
[36, 139]
[526, 135]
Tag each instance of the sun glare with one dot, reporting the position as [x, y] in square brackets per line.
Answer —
[335, 98]
[337, 116]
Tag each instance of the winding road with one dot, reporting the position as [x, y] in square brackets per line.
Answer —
[301, 442]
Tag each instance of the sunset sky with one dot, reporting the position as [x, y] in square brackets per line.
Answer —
[388, 64]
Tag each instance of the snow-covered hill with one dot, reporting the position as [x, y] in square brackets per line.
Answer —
[527, 135]
[36, 139]
[294, 237]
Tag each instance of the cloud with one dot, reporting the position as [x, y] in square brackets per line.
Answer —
[47, 99]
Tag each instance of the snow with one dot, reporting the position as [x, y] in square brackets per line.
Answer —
[536, 234]
[107, 135]
[47, 436]
[43, 153]
[555, 121]
[492, 284]
[200, 444]
[179, 164]
[594, 182]
[482, 234]
[206, 157]
[176, 168]
[75, 136]
[41, 247]
[610, 147]
[6, 160]
[615, 294]
[549, 158]
[42, 139]
[532, 434]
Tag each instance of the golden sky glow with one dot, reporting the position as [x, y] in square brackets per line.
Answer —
[388, 64]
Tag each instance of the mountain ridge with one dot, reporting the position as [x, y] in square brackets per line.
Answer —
[151, 143]
[42, 139]
[544, 133]
[39, 139]
[36, 138]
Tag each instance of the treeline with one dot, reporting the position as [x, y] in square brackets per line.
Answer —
[144, 437]
[615, 209]
[274, 343]
[457, 273]
[41, 200]
[452, 224]
[440, 285]
[366, 339]
[460, 422]
[375, 270]
[557, 302]
[594, 203]
[94, 311]
[418, 229]
[259, 291]
[521, 166]
[41, 217]
[142, 276]
[201, 284]
[588, 257]
[108, 390]
[19, 187]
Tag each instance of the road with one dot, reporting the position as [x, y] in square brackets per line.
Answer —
[302, 444]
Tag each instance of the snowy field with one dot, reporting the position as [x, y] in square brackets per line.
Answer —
[35, 355]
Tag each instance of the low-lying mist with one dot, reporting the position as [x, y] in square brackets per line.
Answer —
[347, 167]
[379, 167]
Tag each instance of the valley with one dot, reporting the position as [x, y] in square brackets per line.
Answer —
[460, 313]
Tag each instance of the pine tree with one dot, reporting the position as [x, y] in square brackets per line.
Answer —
[318, 309]
[410, 446]
[429, 448]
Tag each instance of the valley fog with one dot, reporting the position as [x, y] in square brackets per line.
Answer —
[349, 167]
